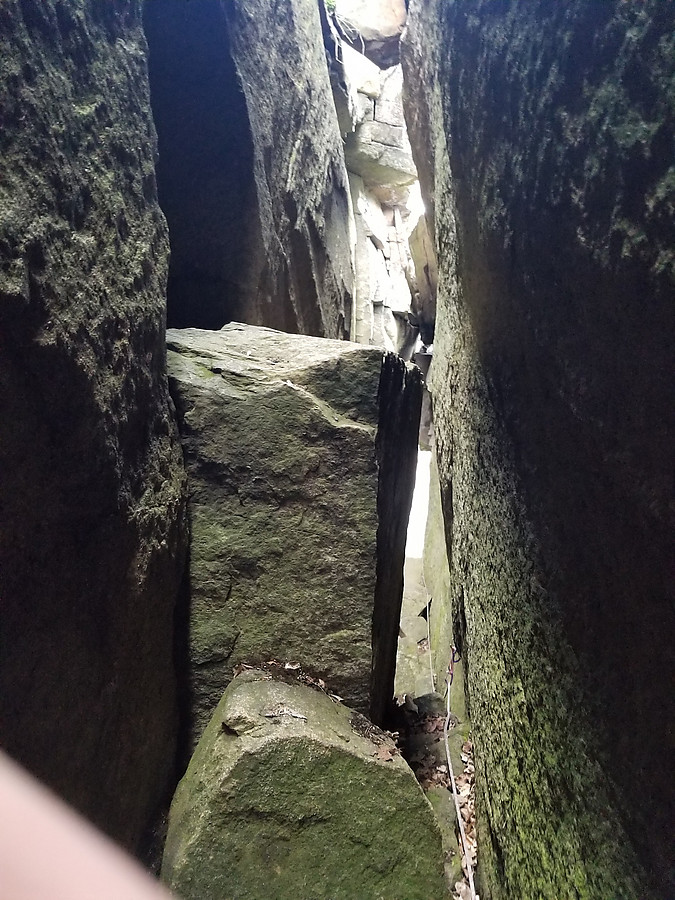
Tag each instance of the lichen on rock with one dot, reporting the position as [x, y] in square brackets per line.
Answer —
[550, 138]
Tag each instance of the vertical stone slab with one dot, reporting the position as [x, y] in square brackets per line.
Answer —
[91, 479]
[300, 454]
[400, 403]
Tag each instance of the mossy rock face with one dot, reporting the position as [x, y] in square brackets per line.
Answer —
[285, 461]
[292, 796]
[92, 530]
[549, 152]
[251, 166]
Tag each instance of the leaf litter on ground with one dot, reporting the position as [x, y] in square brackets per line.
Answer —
[427, 730]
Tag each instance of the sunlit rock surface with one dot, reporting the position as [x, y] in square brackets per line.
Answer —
[378, 149]
[293, 796]
[91, 482]
[301, 459]
[553, 414]
[374, 27]
[425, 284]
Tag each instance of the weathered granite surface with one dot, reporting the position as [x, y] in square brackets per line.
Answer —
[251, 168]
[290, 795]
[382, 293]
[91, 479]
[300, 454]
[553, 413]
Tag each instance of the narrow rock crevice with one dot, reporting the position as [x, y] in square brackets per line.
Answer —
[205, 176]
[400, 399]
[251, 172]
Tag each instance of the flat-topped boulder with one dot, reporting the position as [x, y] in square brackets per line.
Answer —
[300, 454]
[292, 796]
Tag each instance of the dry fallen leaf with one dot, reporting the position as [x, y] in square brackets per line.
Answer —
[385, 753]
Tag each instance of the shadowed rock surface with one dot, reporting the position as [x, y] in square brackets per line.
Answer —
[290, 795]
[298, 506]
[553, 413]
[91, 480]
[251, 169]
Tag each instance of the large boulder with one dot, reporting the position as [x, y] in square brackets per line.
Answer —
[251, 169]
[293, 796]
[554, 416]
[301, 457]
[92, 535]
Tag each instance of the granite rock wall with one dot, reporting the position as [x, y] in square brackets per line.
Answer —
[550, 130]
[92, 536]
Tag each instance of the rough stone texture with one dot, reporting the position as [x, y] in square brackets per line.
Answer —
[400, 401]
[382, 180]
[553, 411]
[91, 480]
[298, 506]
[374, 26]
[378, 149]
[251, 170]
[381, 290]
[422, 359]
[425, 281]
[292, 796]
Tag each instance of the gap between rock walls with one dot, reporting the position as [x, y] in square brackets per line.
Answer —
[259, 236]
[223, 321]
[361, 255]
[294, 202]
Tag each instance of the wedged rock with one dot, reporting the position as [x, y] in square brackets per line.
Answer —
[375, 26]
[300, 454]
[251, 169]
[92, 487]
[364, 76]
[292, 796]
[378, 148]
[382, 291]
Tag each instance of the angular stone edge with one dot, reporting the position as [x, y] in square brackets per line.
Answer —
[397, 440]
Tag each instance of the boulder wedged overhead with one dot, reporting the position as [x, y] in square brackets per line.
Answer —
[374, 27]
[292, 796]
[550, 126]
[251, 170]
[293, 446]
[92, 535]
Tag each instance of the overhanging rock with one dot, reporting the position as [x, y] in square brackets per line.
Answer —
[290, 795]
[300, 454]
